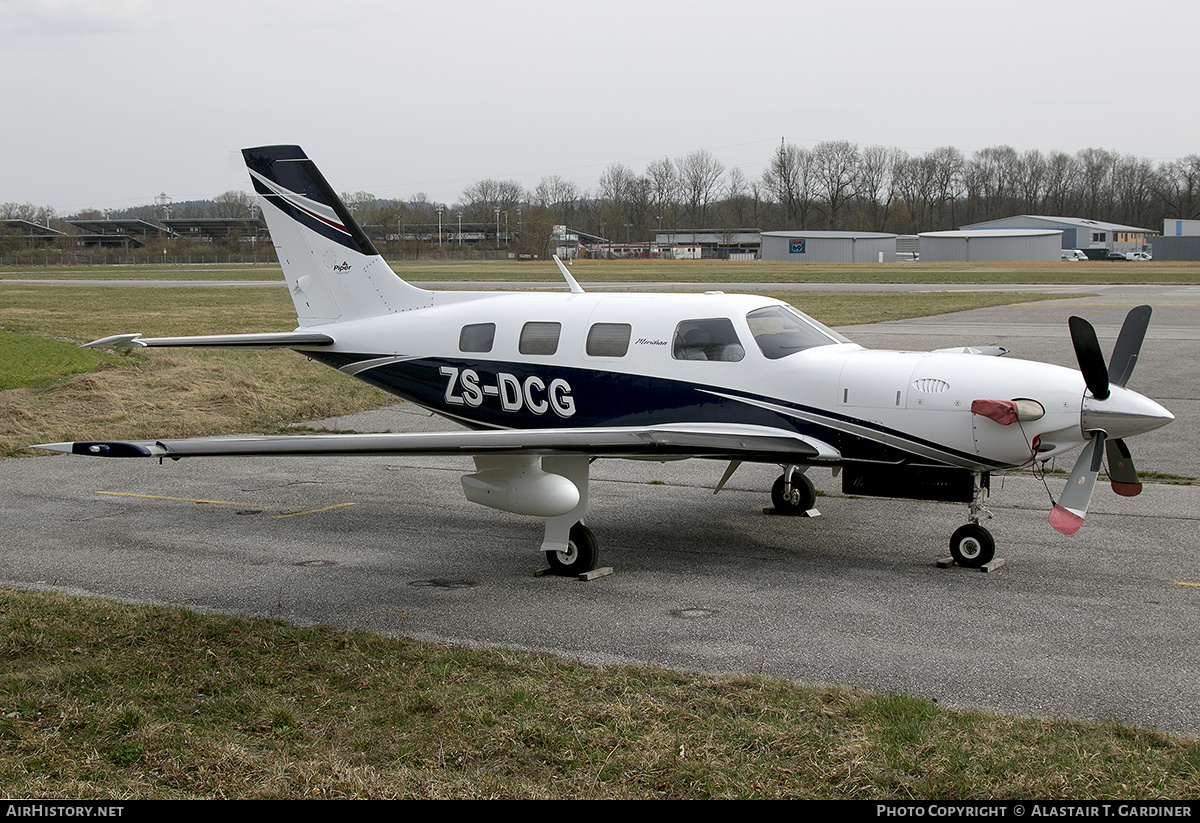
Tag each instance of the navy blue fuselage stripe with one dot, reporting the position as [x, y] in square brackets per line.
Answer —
[604, 398]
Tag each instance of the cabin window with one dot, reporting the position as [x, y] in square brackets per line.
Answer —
[477, 337]
[710, 339]
[781, 330]
[539, 338]
[608, 339]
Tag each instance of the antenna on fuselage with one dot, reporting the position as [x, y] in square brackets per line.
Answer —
[575, 287]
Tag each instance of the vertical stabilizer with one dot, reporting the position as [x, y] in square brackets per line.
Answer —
[332, 269]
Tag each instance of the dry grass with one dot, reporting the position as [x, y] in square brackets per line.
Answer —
[100, 700]
[167, 392]
[181, 394]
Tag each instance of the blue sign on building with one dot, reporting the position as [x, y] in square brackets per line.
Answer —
[796, 247]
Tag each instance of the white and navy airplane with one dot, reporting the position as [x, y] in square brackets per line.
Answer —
[548, 382]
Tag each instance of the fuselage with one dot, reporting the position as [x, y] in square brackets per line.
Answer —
[546, 360]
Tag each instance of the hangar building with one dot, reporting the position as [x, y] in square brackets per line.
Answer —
[991, 245]
[828, 247]
[1077, 233]
[1180, 241]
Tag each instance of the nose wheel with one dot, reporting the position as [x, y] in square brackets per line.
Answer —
[972, 546]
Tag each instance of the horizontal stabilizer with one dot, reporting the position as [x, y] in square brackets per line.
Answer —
[270, 340]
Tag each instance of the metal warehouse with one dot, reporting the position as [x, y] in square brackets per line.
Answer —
[988, 245]
[1077, 233]
[828, 247]
[1180, 241]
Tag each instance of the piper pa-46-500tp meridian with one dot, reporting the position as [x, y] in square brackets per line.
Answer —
[548, 382]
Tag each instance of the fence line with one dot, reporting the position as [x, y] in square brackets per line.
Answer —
[29, 259]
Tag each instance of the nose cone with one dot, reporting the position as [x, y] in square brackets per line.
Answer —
[1123, 413]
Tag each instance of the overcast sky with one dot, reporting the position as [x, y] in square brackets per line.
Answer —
[110, 102]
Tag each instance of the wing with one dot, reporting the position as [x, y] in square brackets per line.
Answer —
[728, 442]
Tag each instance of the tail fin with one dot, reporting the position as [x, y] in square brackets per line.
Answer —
[332, 269]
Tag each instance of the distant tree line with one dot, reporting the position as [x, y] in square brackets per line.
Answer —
[835, 185]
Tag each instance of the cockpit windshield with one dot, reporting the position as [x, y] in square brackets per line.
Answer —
[781, 330]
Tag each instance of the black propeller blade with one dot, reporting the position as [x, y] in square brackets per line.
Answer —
[1090, 358]
[1129, 344]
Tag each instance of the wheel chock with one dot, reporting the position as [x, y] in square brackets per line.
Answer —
[809, 513]
[603, 571]
[986, 568]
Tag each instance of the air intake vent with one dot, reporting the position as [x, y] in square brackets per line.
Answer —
[931, 385]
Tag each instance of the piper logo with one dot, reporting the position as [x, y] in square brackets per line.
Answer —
[468, 387]
[343, 266]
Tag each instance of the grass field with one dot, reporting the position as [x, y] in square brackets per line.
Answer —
[680, 271]
[104, 700]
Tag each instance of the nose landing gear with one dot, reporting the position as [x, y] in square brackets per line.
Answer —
[972, 545]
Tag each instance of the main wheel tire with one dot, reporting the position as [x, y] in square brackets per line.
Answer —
[804, 495]
[972, 546]
[580, 556]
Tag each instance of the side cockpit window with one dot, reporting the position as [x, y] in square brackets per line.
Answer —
[477, 337]
[780, 331]
[709, 339]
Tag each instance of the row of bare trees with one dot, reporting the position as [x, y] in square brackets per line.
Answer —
[834, 185]
[838, 185]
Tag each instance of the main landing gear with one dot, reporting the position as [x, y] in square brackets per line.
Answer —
[793, 494]
[571, 548]
[580, 555]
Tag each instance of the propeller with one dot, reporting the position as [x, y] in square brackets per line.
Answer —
[1067, 515]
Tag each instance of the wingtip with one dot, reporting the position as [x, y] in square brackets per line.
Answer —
[89, 448]
[64, 448]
